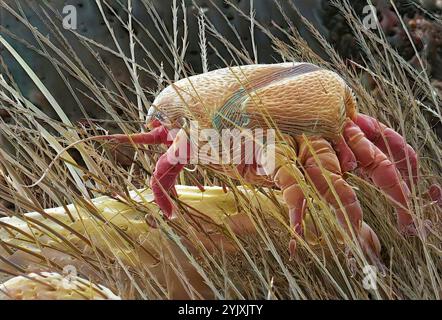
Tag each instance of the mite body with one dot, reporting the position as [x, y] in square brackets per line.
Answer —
[324, 136]
[300, 98]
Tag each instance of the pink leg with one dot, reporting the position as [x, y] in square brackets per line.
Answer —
[328, 163]
[287, 176]
[346, 157]
[162, 183]
[294, 198]
[158, 135]
[169, 165]
[392, 144]
[296, 207]
[382, 172]
[435, 193]
[323, 169]
[167, 170]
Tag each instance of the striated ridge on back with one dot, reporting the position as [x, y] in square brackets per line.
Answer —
[315, 103]
[198, 96]
[313, 99]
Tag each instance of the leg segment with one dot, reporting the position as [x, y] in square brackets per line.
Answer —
[392, 144]
[346, 157]
[167, 170]
[382, 172]
[350, 214]
[370, 242]
[435, 193]
[169, 165]
[162, 182]
[158, 135]
[287, 176]
[322, 163]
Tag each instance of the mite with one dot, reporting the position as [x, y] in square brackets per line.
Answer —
[323, 136]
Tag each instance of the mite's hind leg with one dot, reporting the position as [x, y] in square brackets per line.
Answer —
[322, 167]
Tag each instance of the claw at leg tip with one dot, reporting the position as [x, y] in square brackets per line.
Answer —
[412, 231]
[435, 193]
[292, 249]
[352, 266]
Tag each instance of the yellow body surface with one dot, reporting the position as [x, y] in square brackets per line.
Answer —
[297, 98]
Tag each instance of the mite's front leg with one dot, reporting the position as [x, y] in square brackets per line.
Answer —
[169, 165]
[158, 135]
[167, 170]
